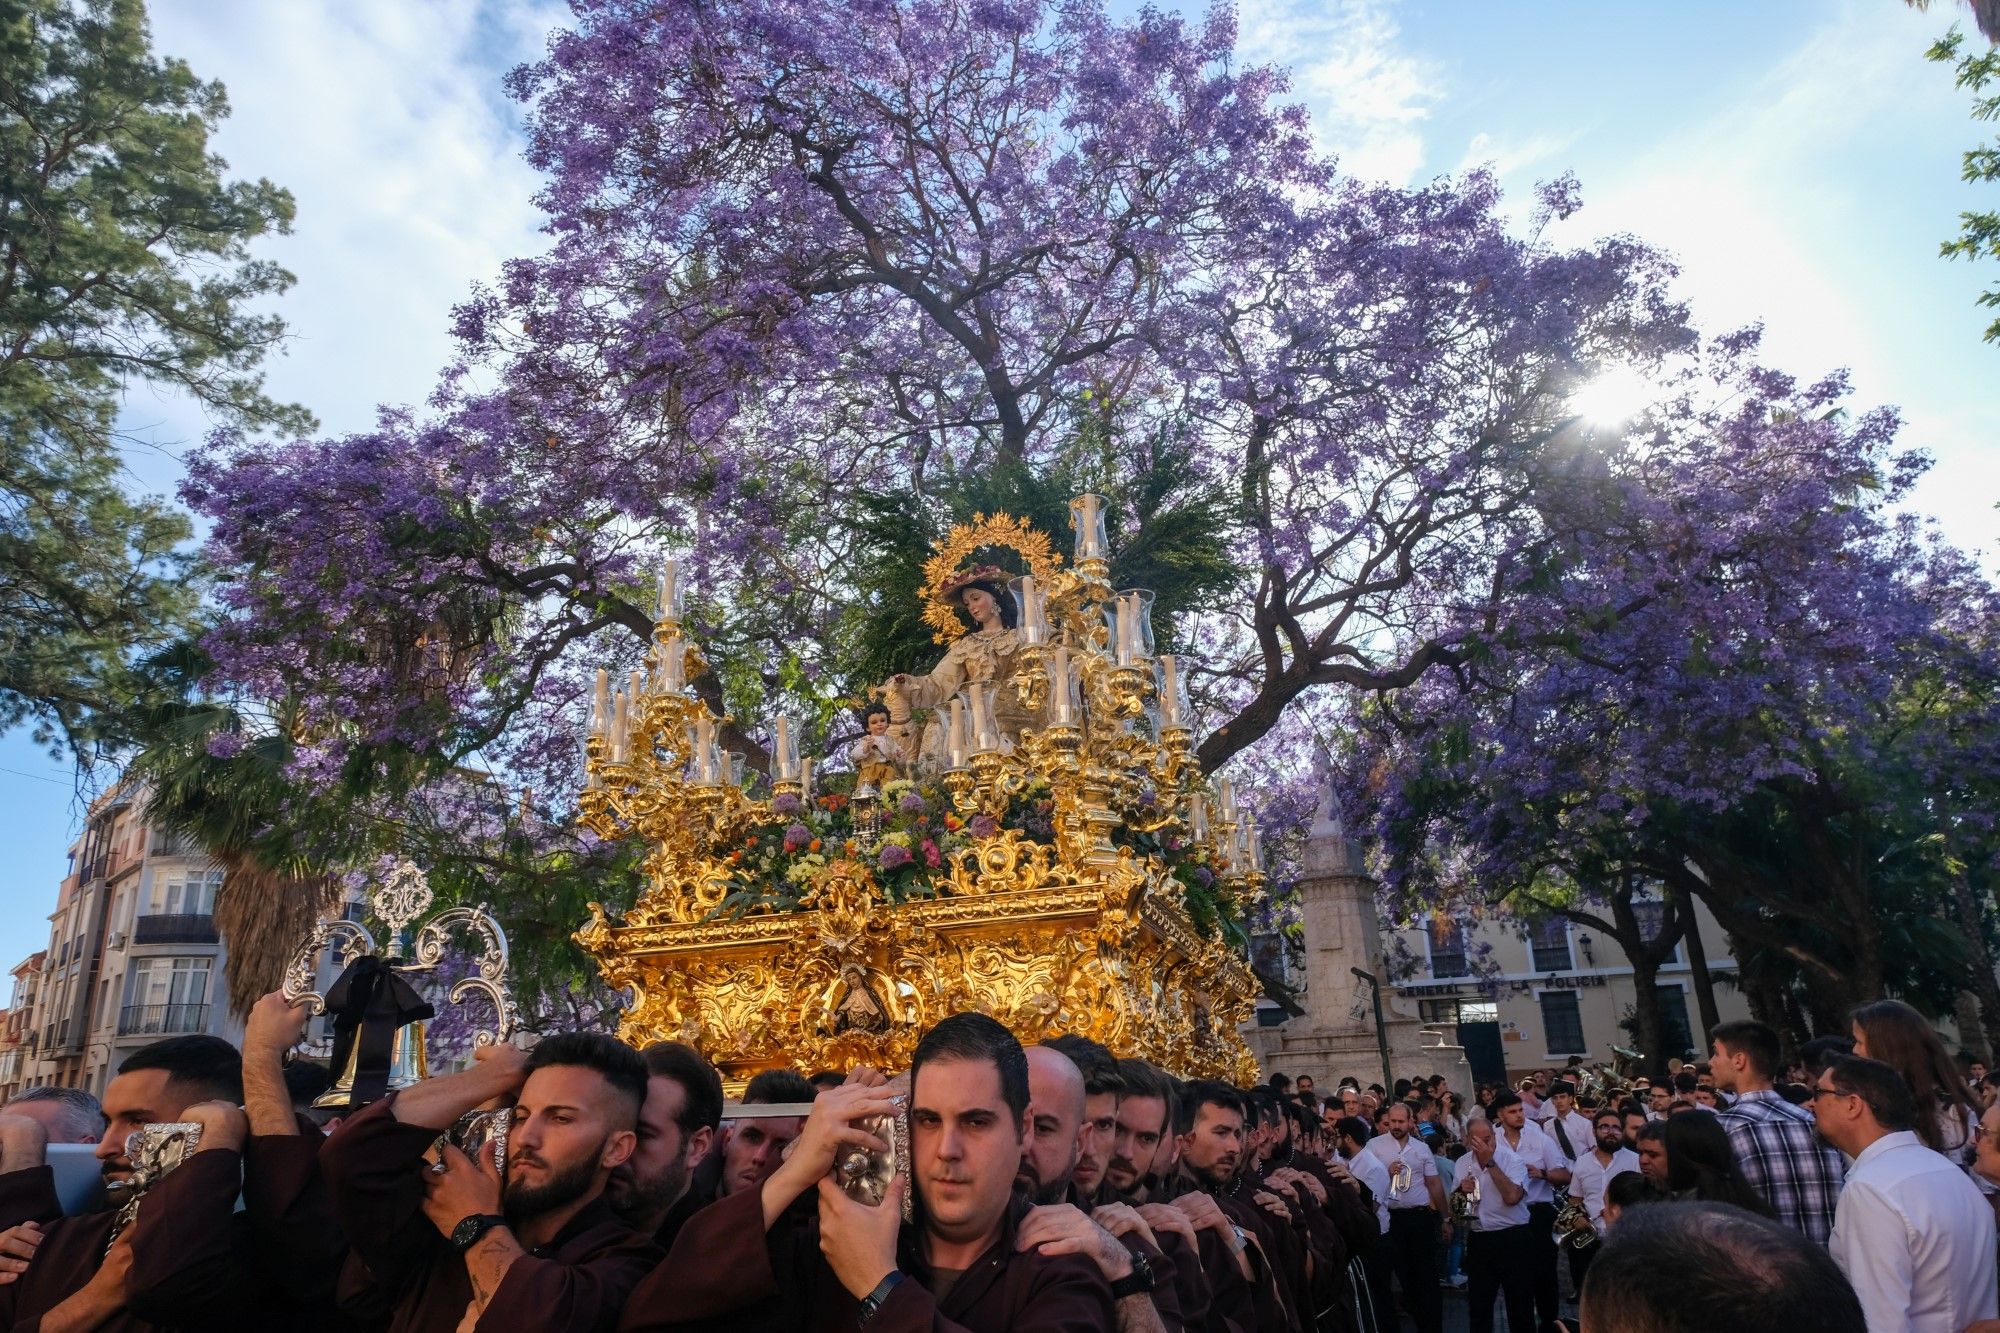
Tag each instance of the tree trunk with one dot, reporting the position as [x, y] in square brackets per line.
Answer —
[1646, 1014]
[1704, 984]
[1795, 1018]
[1828, 1003]
[1984, 984]
[1971, 1029]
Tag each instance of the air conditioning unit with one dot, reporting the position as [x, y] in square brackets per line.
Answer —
[116, 939]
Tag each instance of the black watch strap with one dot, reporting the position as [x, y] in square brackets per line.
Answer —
[469, 1229]
[872, 1303]
[1139, 1282]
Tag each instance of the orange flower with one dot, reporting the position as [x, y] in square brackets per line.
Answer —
[813, 846]
[953, 822]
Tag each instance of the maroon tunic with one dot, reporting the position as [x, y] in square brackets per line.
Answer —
[186, 1272]
[724, 1262]
[296, 1240]
[1175, 1317]
[576, 1283]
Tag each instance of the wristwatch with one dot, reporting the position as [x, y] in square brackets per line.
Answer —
[872, 1303]
[1140, 1281]
[469, 1229]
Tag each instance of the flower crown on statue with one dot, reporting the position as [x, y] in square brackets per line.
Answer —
[945, 574]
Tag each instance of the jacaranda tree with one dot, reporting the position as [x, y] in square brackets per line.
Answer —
[811, 265]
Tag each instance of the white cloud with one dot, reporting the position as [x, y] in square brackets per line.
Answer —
[1369, 98]
[1516, 156]
[386, 120]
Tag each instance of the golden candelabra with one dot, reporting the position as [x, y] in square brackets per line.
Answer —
[1077, 931]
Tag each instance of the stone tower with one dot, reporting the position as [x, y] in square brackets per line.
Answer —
[1337, 1034]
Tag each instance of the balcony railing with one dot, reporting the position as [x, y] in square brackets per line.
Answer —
[151, 1020]
[175, 928]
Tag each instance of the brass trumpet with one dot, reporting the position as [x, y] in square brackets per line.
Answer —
[1465, 1203]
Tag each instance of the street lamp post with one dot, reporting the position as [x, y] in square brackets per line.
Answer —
[1381, 1030]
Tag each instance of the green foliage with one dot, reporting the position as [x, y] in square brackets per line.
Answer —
[1979, 231]
[123, 259]
[1169, 532]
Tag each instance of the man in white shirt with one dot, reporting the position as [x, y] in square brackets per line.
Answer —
[1416, 1211]
[1497, 1250]
[1588, 1176]
[1911, 1232]
[1569, 1127]
[1547, 1168]
[1351, 1138]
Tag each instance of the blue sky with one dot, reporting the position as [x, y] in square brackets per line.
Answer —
[1800, 157]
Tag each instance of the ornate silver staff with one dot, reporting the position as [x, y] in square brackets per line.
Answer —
[377, 980]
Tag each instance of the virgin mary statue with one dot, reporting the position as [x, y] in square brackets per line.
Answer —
[983, 655]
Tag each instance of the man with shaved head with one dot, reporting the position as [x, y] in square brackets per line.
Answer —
[1055, 1123]
[1058, 1097]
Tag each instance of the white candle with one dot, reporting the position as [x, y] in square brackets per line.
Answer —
[1170, 691]
[600, 704]
[784, 758]
[955, 741]
[620, 718]
[703, 745]
[1034, 629]
[985, 737]
[1065, 714]
[670, 591]
[673, 664]
[1087, 518]
[1198, 816]
[1256, 846]
[1128, 628]
[1226, 800]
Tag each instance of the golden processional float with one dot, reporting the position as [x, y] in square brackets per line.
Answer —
[1025, 833]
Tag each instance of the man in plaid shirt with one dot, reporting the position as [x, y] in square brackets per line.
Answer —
[1780, 1151]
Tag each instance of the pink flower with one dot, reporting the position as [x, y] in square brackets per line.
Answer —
[931, 856]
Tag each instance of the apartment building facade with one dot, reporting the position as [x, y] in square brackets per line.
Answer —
[133, 955]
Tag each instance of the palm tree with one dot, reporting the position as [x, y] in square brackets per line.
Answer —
[233, 800]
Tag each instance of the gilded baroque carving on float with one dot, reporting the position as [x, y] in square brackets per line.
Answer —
[1063, 847]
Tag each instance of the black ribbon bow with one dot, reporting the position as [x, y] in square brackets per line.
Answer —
[369, 1002]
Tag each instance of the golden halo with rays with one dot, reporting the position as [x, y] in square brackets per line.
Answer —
[941, 571]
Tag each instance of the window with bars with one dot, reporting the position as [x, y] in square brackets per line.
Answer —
[1562, 1023]
[1459, 1011]
[1448, 949]
[1652, 916]
[1548, 943]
